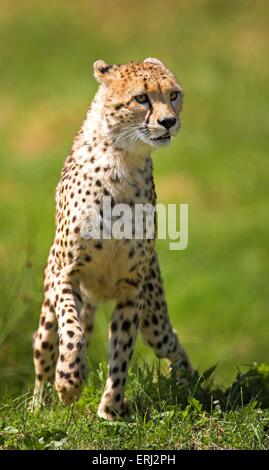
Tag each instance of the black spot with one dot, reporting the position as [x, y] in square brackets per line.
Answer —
[131, 253]
[118, 397]
[48, 325]
[45, 344]
[123, 367]
[70, 333]
[184, 364]
[152, 272]
[155, 319]
[126, 325]
[116, 383]
[70, 346]
[114, 326]
[67, 291]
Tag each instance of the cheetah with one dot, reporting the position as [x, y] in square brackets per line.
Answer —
[135, 110]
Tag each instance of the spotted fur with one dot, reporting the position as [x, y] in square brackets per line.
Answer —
[110, 157]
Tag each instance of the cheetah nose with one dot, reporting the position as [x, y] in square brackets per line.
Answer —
[168, 122]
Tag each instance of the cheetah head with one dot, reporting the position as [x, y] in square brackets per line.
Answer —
[141, 103]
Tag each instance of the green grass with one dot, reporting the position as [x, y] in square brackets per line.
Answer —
[162, 415]
[217, 289]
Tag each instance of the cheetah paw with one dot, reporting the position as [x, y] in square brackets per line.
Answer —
[110, 412]
[67, 389]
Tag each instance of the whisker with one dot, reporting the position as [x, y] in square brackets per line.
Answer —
[127, 135]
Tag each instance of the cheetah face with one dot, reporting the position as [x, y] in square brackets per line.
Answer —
[142, 103]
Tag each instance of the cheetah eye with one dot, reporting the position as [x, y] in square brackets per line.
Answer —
[142, 98]
[174, 95]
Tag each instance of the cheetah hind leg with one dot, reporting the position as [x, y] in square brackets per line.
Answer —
[45, 350]
[156, 327]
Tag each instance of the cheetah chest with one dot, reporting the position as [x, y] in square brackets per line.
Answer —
[116, 267]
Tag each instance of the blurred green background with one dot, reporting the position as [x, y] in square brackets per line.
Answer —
[218, 288]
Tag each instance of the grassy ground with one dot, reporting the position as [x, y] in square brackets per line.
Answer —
[217, 289]
[162, 415]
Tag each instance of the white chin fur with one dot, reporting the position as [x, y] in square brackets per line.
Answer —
[156, 143]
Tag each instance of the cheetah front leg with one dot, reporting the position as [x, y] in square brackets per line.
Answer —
[122, 335]
[155, 324]
[71, 368]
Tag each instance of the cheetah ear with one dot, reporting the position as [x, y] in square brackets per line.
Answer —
[101, 71]
[152, 60]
